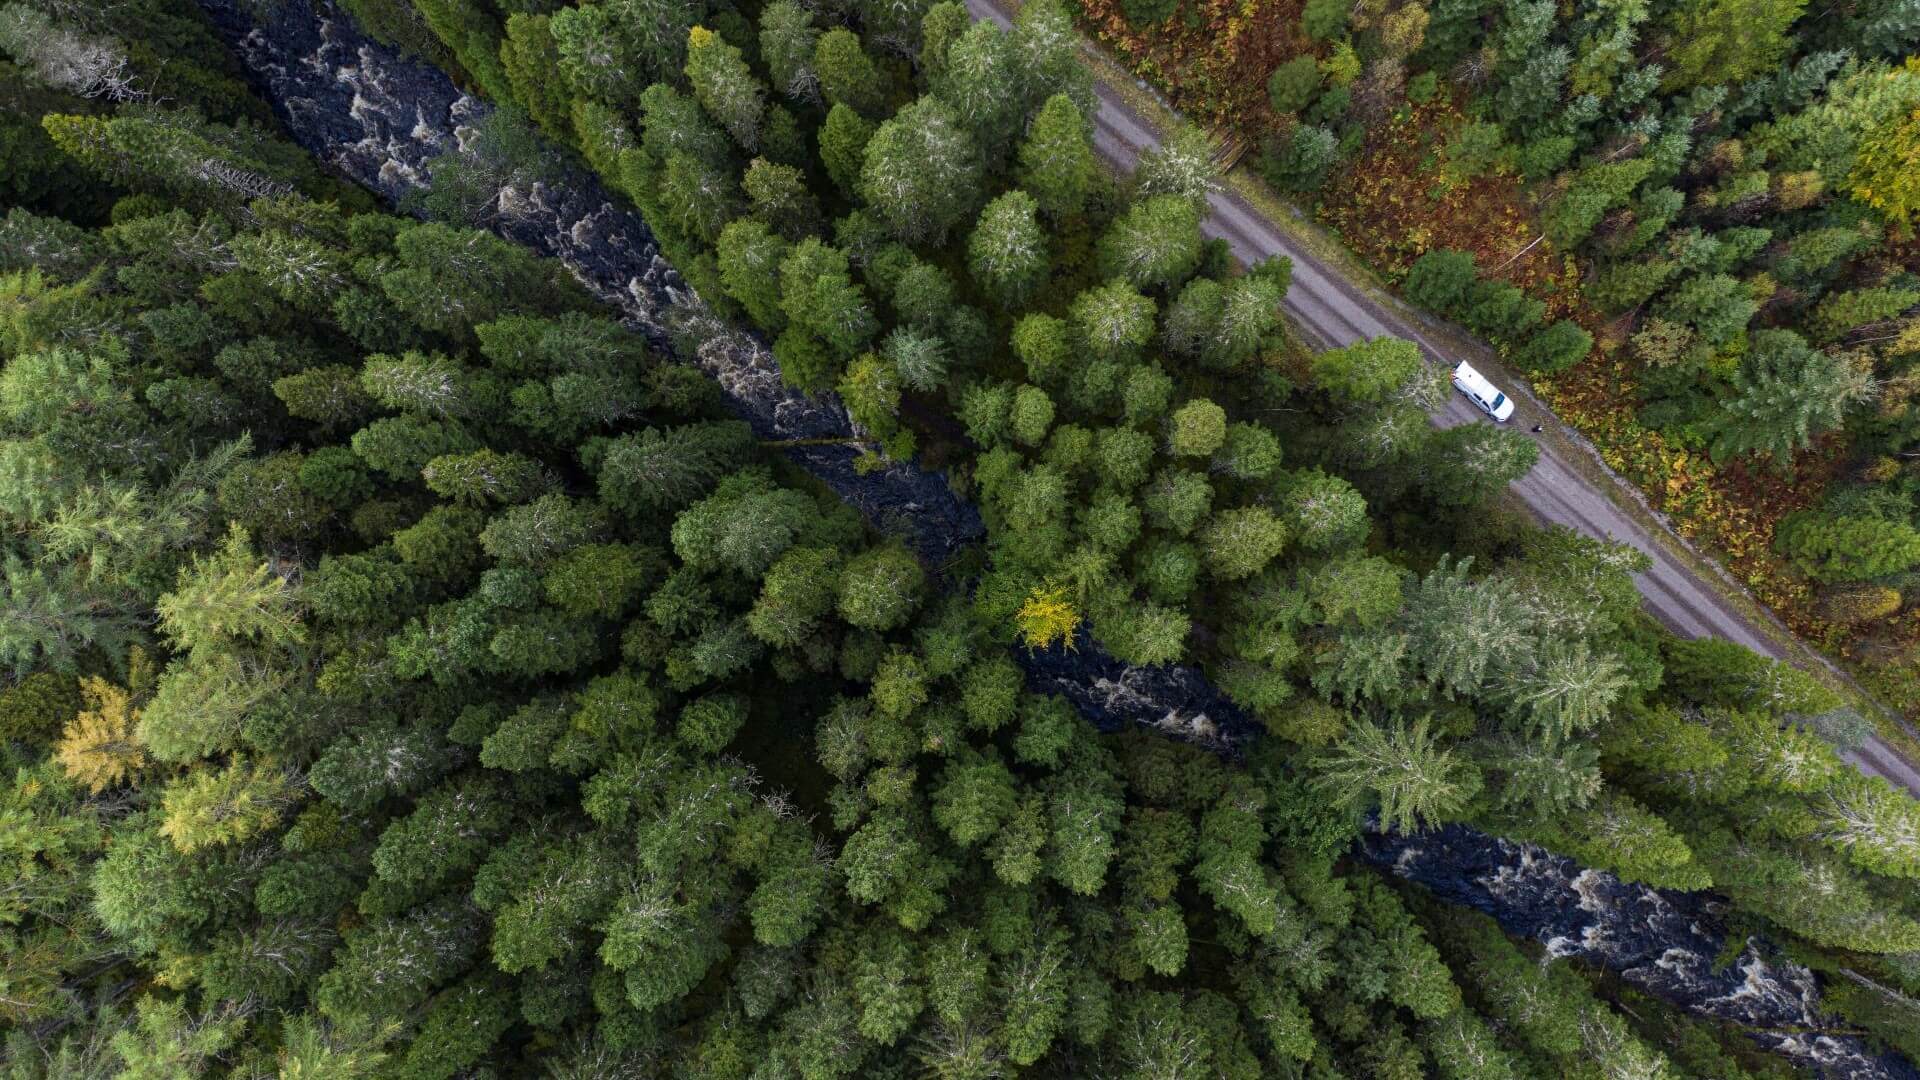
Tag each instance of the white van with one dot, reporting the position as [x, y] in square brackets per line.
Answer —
[1482, 393]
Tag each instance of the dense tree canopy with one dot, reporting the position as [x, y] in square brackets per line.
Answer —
[410, 673]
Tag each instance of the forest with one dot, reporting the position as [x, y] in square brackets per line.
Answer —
[410, 672]
[1712, 202]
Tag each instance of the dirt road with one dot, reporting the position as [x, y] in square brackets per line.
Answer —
[1332, 310]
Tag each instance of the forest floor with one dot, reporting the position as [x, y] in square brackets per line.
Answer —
[1600, 473]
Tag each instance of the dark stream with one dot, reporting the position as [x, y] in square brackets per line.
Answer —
[379, 118]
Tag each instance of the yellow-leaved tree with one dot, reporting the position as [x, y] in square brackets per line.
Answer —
[209, 808]
[1045, 617]
[1886, 165]
[1886, 171]
[99, 747]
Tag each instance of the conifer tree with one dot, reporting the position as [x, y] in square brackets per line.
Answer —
[724, 86]
[1784, 394]
[1007, 252]
[1057, 164]
[920, 171]
[1414, 781]
[99, 747]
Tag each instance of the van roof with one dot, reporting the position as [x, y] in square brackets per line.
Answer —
[1475, 381]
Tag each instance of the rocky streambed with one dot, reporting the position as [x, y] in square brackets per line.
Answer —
[1669, 943]
[379, 118]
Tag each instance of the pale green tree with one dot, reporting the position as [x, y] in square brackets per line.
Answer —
[1007, 253]
[1402, 770]
[921, 171]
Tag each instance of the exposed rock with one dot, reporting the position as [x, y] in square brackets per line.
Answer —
[1666, 942]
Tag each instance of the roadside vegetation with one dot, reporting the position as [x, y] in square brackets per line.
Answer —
[1717, 196]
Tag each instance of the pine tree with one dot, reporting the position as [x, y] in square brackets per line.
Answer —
[1831, 548]
[1473, 463]
[1729, 41]
[59, 57]
[1239, 543]
[921, 360]
[1181, 166]
[1555, 347]
[1633, 842]
[847, 75]
[1784, 394]
[1057, 163]
[1594, 191]
[880, 588]
[1842, 314]
[1198, 429]
[304, 273]
[697, 196]
[819, 296]
[796, 593]
[725, 87]
[787, 42]
[447, 833]
[392, 963]
[743, 527]
[778, 196]
[669, 468]
[1368, 371]
[177, 153]
[613, 51]
[1876, 826]
[1534, 86]
[450, 280]
[973, 800]
[750, 253]
[1156, 244]
[53, 614]
[1301, 162]
[1441, 280]
[1293, 85]
[843, 146]
[1565, 690]
[1414, 782]
[531, 57]
[1048, 47]
[981, 80]
[1115, 319]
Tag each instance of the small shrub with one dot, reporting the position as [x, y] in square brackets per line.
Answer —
[1299, 162]
[1554, 347]
[1851, 605]
[1292, 85]
[1323, 20]
[1148, 12]
[1441, 280]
